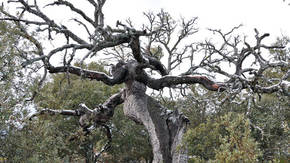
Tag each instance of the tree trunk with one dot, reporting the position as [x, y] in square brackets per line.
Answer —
[165, 127]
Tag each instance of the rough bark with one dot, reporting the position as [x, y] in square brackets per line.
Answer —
[165, 127]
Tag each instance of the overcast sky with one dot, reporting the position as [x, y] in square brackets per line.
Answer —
[270, 16]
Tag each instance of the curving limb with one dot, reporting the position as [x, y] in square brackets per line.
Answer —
[88, 117]
[157, 65]
[168, 81]
[135, 46]
[118, 78]
[53, 26]
[102, 113]
[73, 8]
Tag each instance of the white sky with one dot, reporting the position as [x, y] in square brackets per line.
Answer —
[268, 16]
[271, 16]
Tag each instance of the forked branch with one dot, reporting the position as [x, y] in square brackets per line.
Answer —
[88, 117]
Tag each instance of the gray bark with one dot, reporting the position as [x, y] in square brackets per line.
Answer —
[165, 127]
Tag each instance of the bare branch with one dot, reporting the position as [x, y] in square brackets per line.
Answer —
[99, 16]
[136, 50]
[157, 65]
[168, 81]
[73, 8]
[99, 115]
[84, 25]
[25, 21]
[107, 145]
[99, 76]
[51, 23]
[54, 112]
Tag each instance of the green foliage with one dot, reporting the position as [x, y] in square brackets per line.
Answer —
[8, 65]
[26, 145]
[224, 139]
[272, 117]
[281, 54]
[59, 138]
[67, 92]
[130, 141]
[13, 90]
[237, 145]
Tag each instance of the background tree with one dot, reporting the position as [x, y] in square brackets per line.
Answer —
[223, 139]
[267, 115]
[36, 141]
[126, 136]
[15, 93]
[204, 61]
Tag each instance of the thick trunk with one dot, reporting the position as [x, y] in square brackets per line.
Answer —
[165, 127]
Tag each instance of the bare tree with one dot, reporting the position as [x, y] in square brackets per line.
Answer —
[161, 36]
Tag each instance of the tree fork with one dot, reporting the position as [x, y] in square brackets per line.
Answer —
[91, 118]
[165, 127]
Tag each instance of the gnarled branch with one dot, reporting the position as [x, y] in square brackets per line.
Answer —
[168, 81]
[99, 76]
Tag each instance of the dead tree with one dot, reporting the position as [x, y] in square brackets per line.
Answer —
[159, 36]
